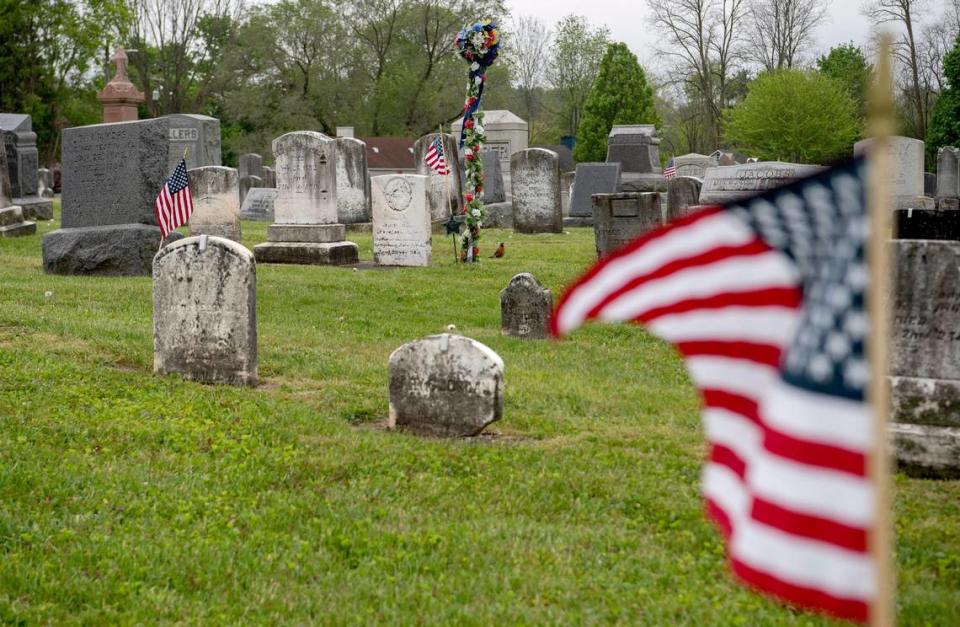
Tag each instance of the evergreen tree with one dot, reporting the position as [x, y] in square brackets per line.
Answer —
[945, 122]
[848, 65]
[620, 95]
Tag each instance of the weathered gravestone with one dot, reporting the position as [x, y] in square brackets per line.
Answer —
[353, 182]
[493, 190]
[306, 230]
[258, 204]
[205, 311]
[12, 223]
[111, 176]
[250, 164]
[637, 149]
[247, 183]
[929, 184]
[444, 197]
[199, 135]
[906, 167]
[566, 190]
[692, 164]
[683, 192]
[525, 307]
[925, 365]
[216, 202]
[535, 180]
[499, 215]
[269, 177]
[20, 144]
[619, 218]
[45, 183]
[592, 178]
[445, 385]
[948, 178]
[401, 221]
[723, 184]
[931, 224]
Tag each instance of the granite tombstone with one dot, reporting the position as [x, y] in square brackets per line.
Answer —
[198, 135]
[258, 204]
[493, 189]
[525, 307]
[535, 180]
[20, 144]
[401, 222]
[906, 167]
[692, 164]
[353, 181]
[620, 218]
[723, 184]
[12, 223]
[683, 192]
[592, 178]
[216, 202]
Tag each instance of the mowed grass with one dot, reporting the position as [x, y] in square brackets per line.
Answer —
[131, 498]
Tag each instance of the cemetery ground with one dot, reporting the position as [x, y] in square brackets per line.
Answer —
[131, 498]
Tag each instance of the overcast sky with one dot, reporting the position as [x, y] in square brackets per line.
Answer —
[628, 19]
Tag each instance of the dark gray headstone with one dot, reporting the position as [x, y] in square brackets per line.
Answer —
[20, 143]
[535, 181]
[493, 189]
[258, 204]
[116, 250]
[636, 148]
[564, 156]
[929, 184]
[683, 192]
[113, 172]
[592, 178]
[199, 135]
[269, 177]
[620, 218]
[247, 183]
[525, 307]
[948, 173]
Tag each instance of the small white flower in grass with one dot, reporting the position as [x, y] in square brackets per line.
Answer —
[451, 327]
[48, 294]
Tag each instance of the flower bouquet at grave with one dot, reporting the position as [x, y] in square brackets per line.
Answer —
[479, 45]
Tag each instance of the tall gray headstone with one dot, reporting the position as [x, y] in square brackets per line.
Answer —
[620, 218]
[199, 135]
[925, 365]
[535, 181]
[251, 164]
[306, 228]
[635, 147]
[20, 144]
[493, 189]
[258, 204]
[726, 183]
[247, 183]
[683, 192]
[401, 222]
[269, 177]
[525, 307]
[12, 223]
[906, 167]
[948, 172]
[111, 176]
[353, 181]
[444, 195]
[592, 178]
[445, 385]
[216, 202]
[205, 311]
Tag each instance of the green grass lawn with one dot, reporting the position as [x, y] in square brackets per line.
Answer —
[131, 498]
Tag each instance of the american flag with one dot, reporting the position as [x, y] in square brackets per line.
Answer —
[670, 171]
[174, 205]
[435, 157]
[764, 299]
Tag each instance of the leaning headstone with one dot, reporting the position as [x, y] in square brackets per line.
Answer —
[906, 167]
[198, 135]
[493, 190]
[20, 144]
[925, 365]
[692, 164]
[445, 385]
[401, 221]
[216, 202]
[727, 183]
[306, 229]
[205, 311]
[525, 307]
[620, 218]
[683, 192]
[251, 164]
[535, 179]
[258, 204]
[12, 223]
[353, 182]
[111, 176]
[45, 183]
[444, 195]
[931, 224]
[592, 178]
[948, 174]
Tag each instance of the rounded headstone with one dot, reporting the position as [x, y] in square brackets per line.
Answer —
[683, 192]
[948, 172]
[306, 165]
[401, 221]
[525, 307]
[353, 182]
[535, 183]
[445, 385]
[216, 202]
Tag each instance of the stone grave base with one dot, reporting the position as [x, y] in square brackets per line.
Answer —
[116, 250]
[18, 230]
[359, 227]
[578, 221]
[308, 253]
[634, 182]
[35, 208]
[915, 202]
[307, 233]
[948, 204]
[257, 216]
[499, 215]
[927, 451]
[926, 224]
[915, 400]
[218, 230]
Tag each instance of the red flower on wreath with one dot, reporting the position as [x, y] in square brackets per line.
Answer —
[469, 123]
[468, 197]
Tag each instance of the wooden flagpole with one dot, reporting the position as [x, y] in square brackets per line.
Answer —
[446, 184]
[881, 120]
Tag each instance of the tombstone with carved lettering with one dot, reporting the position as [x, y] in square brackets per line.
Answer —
[12, 223]
[444, 191]
[692, 164]
[306, 228]
[683, 192]
[216, 202]
[620, 218]
[353, 181]
[205, 311]
[257, 205]
[20, 144]
[592, 178]
[925, 365]
[535, 180]
[111, 176]
[198, 135]
[723, 184]
[401, 221]
[445, 385]
[525, 307]
[906, 168]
